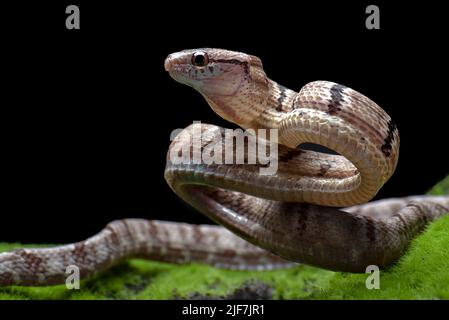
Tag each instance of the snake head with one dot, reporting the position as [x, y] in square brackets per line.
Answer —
[223, 77]
[210, 71]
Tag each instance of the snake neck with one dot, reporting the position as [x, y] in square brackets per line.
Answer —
[258, 105]
[279, 101]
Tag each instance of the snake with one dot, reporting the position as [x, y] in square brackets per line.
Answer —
[314, 209]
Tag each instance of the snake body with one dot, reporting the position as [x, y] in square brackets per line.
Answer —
[294, 215]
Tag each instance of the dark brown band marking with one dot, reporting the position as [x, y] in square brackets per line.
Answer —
[386, 147]
[324, 167]
[31, 260]
[154, 231]
[401, 218]
[336, 98]
[233, 61]
[113, 234]
[420, 209]
[79, 251]
[197, 234]
[281, 97]
[370, 230]
[303, 217]
[290, 155]
[127, 229]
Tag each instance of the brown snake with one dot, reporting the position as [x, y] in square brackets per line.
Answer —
[292, 213]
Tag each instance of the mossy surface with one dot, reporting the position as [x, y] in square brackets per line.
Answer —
[423, 273]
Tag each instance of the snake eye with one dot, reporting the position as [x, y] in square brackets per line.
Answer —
[200, 59]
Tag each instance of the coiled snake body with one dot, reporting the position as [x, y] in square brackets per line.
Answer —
[293, 213]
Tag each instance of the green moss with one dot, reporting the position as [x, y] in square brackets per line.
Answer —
[441, 188]
[140, 279]
[421, 274]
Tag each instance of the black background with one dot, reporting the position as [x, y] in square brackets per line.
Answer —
[87, 114]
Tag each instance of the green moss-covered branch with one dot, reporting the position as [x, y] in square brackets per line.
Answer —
[423, 273]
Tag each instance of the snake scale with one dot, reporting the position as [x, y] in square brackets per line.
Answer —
[294, 215]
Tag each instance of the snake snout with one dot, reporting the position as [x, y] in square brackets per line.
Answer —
[168, 63]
